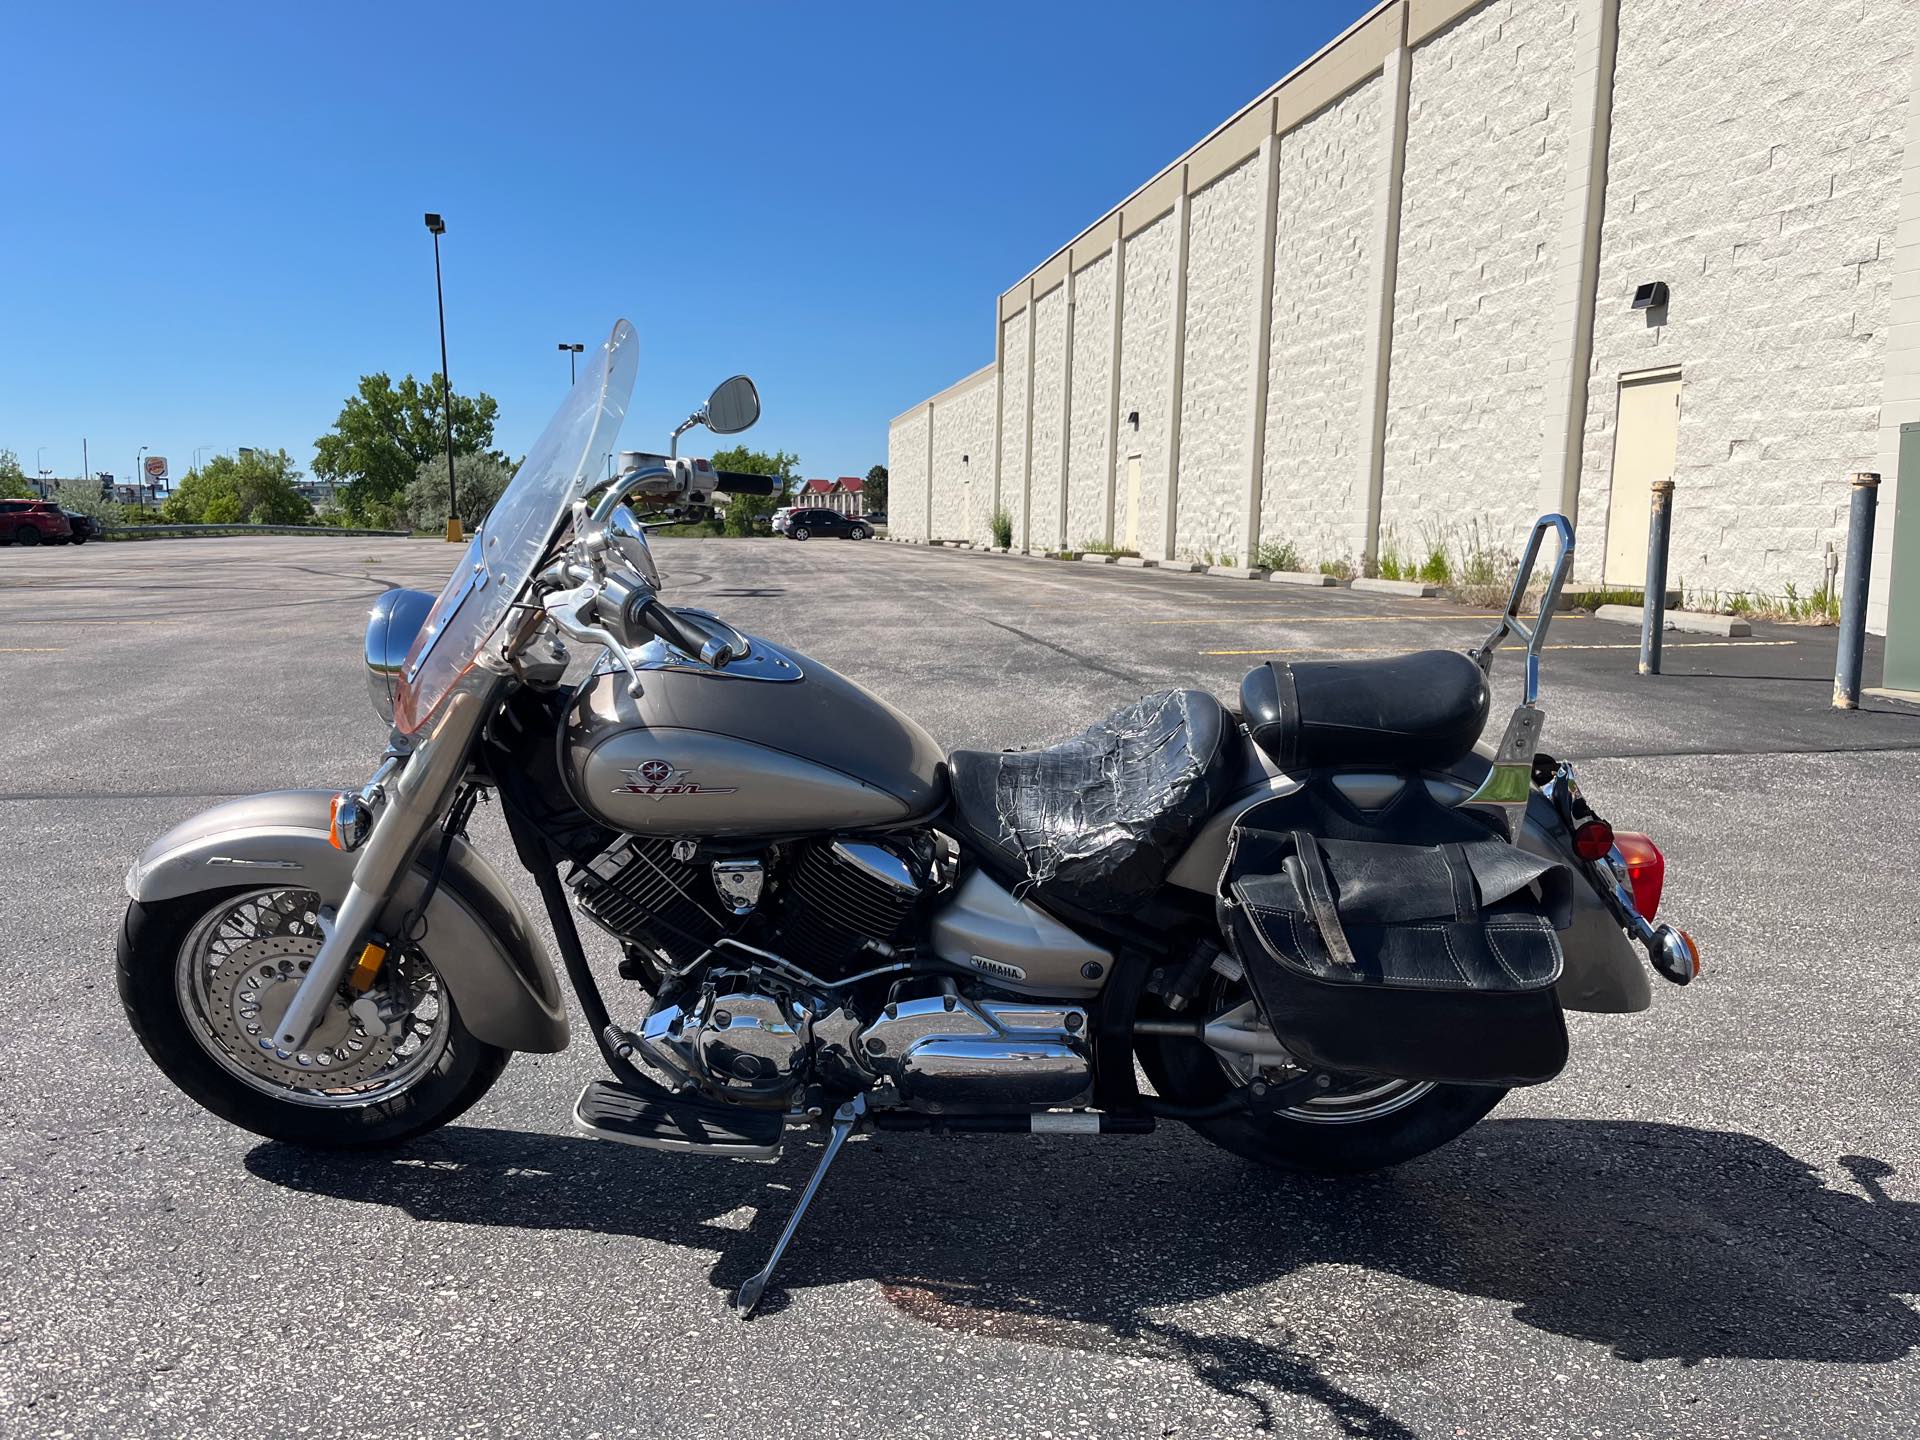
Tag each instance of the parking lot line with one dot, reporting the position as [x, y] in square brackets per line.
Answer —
[1329, 619]
[1400, 649]
[31, 649]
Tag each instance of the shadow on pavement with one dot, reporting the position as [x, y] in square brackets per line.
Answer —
[1657, 1241]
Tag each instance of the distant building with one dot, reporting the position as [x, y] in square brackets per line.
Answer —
[847, 495]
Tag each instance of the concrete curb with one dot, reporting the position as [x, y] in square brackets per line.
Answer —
[1181, 567]
[1694, 622]
[1412, 589]
[1302, 577]
[1098, 559]
[1136, 562]
[1237, 572]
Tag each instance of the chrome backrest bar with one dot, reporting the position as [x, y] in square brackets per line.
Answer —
[1534, 633]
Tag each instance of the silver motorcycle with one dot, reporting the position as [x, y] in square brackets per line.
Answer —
[1332, 925]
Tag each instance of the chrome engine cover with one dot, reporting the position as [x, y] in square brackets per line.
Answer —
[943, 1053]
[748, 1045]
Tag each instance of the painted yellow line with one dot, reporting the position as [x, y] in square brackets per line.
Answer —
[1519, 649]
[1333, 619]
[32, 649]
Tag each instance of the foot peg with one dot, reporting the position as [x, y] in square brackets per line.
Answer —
[691, 1126]
[844, 1119]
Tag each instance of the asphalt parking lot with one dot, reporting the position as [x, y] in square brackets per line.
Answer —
[1709, 1225]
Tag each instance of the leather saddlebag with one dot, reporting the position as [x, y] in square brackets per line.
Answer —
[1412, 943]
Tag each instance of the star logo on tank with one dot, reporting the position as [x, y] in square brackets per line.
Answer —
[657, 779]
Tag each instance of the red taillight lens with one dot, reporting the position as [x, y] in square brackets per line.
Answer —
[1592, 839]
[1646, 871]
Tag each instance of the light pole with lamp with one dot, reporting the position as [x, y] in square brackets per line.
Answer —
[438, 227]
[572, 350]
[139, 479]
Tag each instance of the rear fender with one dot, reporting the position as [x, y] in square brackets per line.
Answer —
[482, 944]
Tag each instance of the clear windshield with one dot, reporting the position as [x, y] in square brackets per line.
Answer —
[506, 549]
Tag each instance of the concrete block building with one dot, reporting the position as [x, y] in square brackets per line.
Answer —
[1472, 261]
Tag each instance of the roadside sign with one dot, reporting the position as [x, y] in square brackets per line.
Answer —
[157, 471]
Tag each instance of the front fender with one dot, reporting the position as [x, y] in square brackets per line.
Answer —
[482, 944]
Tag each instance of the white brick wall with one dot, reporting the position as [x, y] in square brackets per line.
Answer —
[1217, 397]
[1314, 486]
[1013, 421]
[963, 461]
[1092, 373]
[1146, 361]
[1487, 130]
[907, 475]
[1759, 177]
[1049, 361]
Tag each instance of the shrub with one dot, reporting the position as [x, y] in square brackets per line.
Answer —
[1001, 523]
[1279, 555]
[479, 481]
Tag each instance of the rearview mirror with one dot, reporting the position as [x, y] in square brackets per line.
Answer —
[733, 406]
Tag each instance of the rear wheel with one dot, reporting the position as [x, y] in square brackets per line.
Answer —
[204, 980]
[1339, 1125]
[798, 532]
[26, 535]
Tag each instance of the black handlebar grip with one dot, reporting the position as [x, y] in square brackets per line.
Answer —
[736, 482]
[684, 634]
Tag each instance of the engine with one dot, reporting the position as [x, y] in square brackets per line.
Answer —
[780, 1005]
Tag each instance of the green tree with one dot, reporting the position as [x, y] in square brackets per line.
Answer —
[13, 479]
[478, 480]
[255, 489]
[742, 510]
[385, 432]
[877, 488]
[79, 496]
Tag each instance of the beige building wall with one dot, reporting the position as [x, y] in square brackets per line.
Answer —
[1146, 369]
[1487, 132]
[1760, 181]
[1089, 443]
[1422, 336]
[907, 440]
[1049, 418]
[1313, 491]
[1223, 269]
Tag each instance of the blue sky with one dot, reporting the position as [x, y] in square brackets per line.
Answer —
[213, 214]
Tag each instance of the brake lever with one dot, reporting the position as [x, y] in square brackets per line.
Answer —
[568, 610]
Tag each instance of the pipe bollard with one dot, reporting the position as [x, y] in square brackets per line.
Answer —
[1653, 607]
[1853, 601]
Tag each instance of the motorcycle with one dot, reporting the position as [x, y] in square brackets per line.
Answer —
[1332, 926]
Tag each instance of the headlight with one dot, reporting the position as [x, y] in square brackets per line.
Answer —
[392, 624]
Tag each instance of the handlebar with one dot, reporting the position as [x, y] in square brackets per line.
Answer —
[737, 482]
[684, 631]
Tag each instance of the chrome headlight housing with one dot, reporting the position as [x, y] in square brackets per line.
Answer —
[392, 626]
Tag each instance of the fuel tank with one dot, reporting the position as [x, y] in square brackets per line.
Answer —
[773, 745]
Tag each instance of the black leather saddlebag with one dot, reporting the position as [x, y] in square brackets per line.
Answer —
[1411, 942]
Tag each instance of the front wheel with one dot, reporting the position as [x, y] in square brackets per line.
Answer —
[1343, 1125]
[861, 532]
[204, 980]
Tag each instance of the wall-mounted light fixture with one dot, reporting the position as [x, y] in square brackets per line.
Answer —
[1651, 296]
[1133, 419]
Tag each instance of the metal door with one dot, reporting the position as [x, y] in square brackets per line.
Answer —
[1645, 439]
[1133, 503]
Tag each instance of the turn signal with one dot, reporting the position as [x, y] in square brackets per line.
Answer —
[1646, 870]
[349, 822]
[1592, 839]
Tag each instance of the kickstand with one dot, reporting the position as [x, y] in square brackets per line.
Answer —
[844, 1119]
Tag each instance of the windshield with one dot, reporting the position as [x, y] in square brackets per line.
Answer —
[508, 546]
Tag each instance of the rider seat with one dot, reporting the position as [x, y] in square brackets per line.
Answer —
[1408, 712]
[1096, 821]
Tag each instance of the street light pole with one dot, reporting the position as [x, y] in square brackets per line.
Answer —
[572, 350]
[139, 479]
[438, 227]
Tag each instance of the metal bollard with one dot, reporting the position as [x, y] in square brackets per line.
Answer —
[1853, 602]
[1653, 608]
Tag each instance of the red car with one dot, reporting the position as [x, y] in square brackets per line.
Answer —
[29, 522]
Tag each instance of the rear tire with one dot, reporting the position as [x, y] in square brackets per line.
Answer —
[149, 957]
[798, 532]
[26, 536]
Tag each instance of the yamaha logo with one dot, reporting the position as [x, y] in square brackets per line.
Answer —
[657, 779]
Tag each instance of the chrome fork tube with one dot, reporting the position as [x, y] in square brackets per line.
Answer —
[415, 801]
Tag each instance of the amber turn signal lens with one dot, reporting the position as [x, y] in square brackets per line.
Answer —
[1693, 949]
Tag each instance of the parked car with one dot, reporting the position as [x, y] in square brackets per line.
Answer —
[31, 522]
[805, 524]
[85, 527]
[875, 518]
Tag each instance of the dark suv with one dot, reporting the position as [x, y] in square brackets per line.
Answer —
[29, 522]
[805, 524]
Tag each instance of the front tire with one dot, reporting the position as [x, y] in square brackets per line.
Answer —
[861, 532]
[166, 947]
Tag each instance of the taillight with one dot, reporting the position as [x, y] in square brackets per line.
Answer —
[1646, 870]
[1592, 839]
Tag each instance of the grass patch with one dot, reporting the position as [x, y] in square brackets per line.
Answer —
[1103, 547]
[1279, 555]
[1789, 607]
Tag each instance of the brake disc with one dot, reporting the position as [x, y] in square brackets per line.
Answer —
[249, 992]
